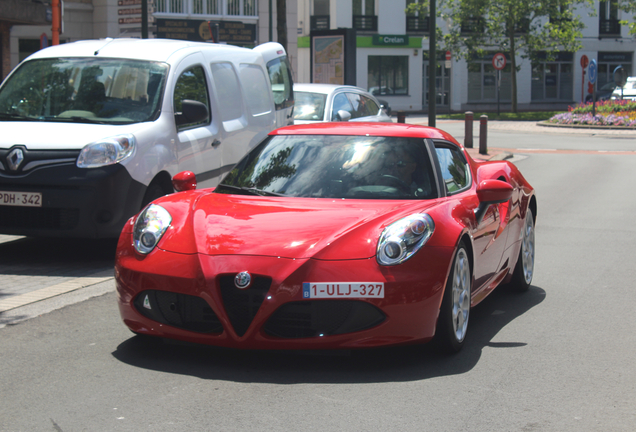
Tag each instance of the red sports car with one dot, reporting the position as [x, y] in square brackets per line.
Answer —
[334, 235]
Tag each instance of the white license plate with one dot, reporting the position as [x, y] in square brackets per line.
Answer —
[21, 199]
[343, 290]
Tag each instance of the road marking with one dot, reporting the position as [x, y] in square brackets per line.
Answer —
[48, 292]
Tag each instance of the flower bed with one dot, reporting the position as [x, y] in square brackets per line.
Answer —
[608, 113]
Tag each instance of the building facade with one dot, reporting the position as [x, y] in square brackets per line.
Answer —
[392, 59]
[238, 22]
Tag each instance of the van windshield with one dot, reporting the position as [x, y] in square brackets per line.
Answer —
[85, 90]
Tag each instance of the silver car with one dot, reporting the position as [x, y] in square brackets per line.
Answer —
[329, 102]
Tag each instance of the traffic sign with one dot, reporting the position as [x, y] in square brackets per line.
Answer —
[591, 70]
[499, 61]
[448, 55]
[584, 61]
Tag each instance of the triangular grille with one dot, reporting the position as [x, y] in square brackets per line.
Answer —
[241, 305]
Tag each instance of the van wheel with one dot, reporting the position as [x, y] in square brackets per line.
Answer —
[153, 192]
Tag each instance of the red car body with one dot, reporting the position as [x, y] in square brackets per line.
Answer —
[285, 242]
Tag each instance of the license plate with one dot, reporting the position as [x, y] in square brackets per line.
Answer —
[343, 290]
[21, 199]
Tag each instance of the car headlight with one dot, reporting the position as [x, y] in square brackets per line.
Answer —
[400, 240]
[150, 225]
[108, 151]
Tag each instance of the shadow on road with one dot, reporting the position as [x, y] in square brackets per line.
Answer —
[360, 366]
[55, 257]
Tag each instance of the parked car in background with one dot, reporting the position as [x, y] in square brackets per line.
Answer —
[341, 235]
[603, 93]
[330, 102]
[92, 131]
[628, 90]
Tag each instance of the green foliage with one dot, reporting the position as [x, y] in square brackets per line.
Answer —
[525, 29]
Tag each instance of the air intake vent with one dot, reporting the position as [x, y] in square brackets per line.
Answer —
[242, 305]
[178, 310]
[322, 318]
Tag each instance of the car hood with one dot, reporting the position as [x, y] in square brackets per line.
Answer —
[286, 227]
[51, 135]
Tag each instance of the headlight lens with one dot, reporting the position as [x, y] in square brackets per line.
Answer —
[400, 240]
[150, 225]
[107, 151]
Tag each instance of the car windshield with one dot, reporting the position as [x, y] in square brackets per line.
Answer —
[309, 106]
[84, 90]
[326, 166]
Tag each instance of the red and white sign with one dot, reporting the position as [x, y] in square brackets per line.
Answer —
[584, 61]
[448, 55]
[499, 61]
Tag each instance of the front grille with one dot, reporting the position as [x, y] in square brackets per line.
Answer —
[40, 218]
[322, 318]
[178, 310]
[242, 305]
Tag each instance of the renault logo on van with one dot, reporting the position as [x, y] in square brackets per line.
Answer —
[15, 158]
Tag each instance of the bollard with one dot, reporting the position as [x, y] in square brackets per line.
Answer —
[401, 117]
[468, 129]
[483, 134]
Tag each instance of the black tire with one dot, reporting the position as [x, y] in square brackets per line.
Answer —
[524, 269]
[452, 324]
[153, 192]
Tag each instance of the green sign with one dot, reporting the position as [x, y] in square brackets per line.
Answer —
[390, 39]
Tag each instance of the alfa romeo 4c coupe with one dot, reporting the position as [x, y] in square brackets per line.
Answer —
[325, 236]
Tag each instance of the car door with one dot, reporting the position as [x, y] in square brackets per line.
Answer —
[488, 240]
[196, 146]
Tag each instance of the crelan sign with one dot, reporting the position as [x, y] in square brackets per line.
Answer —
[390, 39]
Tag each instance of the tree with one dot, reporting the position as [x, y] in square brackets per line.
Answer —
[524, 29]
[628, 6]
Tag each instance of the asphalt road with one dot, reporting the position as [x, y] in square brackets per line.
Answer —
[558, 358]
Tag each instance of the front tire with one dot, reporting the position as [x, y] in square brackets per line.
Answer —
[455, 311]
[524, 269]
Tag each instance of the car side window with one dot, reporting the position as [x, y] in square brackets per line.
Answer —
[192, 85]
[454, 169]
[362, 105]
[340, 102]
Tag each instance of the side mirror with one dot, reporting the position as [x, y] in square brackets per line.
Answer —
[184, 181]
[491, 192]
[191, 112]
[343, 115]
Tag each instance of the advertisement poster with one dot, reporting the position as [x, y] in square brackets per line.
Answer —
[328, 61]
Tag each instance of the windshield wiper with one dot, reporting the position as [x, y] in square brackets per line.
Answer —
[251, 190]
[77, 119]
[14, 116]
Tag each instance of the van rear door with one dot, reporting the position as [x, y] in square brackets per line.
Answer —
[281, 80]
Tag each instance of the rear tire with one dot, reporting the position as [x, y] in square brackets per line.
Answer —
[452, 324]
[524, 269]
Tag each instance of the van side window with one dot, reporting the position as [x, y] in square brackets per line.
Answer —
[454, 169]
[228, 90]
[255, 84]
[191, 85]
[280, 77]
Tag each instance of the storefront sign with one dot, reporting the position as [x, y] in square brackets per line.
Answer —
[390, 39]
[199, 31]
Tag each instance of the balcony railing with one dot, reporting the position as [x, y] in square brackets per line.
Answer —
[609, 27]
[365, 22]
[473, 25]
[416, 24]
[245, 8]
[320, 22]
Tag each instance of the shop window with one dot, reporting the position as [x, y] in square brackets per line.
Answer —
[388, 75]
[482, 81]
[553, 80]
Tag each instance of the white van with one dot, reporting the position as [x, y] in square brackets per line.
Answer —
[94, 130]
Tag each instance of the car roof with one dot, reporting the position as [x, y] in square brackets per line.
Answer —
[324, 88]
[366, 129]
[141, 49]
